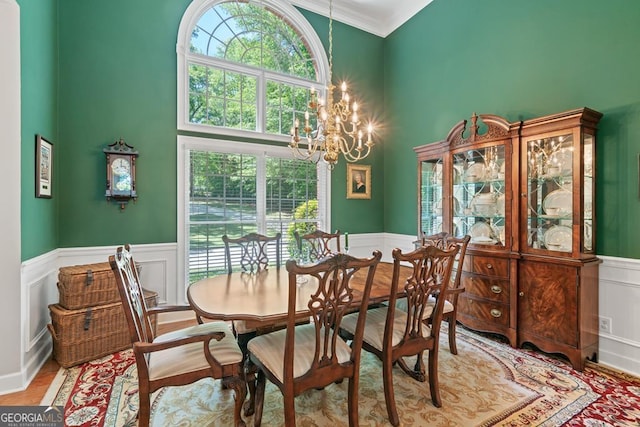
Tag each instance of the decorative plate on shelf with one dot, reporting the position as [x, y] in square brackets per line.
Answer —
[481, 232]
[558, 203]
[558, 238]
[474, 173]
[483, 204]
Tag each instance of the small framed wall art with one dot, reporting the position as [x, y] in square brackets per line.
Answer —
[44, 167]
[358, 181]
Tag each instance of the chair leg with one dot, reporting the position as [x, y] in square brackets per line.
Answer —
[239, 388]
[452, 335]
[259, 399]
[389, 395]
[250, 377]
[289, 410]
[352, 404]
[418, 371]
[434, 386]
[144, 412]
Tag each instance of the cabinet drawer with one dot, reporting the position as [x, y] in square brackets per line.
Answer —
[488, 266]
[486, 287]
[486, 311]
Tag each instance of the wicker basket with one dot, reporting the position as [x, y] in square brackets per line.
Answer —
[87, 334]
[87, 285]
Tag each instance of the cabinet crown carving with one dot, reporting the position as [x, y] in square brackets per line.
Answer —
[496, 128]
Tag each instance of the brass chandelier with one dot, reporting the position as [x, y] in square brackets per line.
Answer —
[338, 126]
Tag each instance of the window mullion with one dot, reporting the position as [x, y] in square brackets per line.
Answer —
[261, 192]
[261, 103]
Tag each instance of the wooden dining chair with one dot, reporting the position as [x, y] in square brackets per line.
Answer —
[450, 311]
[251, 255]
[393, 334]
[313, 356]
[318, 243]
[176, 358]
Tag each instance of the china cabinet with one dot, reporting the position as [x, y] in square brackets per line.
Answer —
[524, 192]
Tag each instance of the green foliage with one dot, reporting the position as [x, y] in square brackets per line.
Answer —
[254, 36]
[307, 210]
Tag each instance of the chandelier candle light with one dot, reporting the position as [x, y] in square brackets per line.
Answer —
[338, 124]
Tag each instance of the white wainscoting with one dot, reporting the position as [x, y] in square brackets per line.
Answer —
[619, 300]
[619, 295]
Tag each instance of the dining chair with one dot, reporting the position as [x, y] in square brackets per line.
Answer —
[176, 358]
[450, 311]
[313, 356]
[318, 243]
[393, 334]
[251, 253]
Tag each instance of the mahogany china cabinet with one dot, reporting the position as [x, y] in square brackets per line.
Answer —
[524, 192]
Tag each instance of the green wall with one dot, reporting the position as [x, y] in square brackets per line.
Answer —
[97, 71]
[118, 79]
[518, 59]
[39, 93]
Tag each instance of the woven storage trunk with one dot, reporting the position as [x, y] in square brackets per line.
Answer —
[87, 285]
[89, 333]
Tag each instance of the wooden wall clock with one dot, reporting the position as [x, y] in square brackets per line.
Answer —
[121, 172]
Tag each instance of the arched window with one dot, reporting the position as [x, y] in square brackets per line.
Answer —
[244, 70]
[246, 67]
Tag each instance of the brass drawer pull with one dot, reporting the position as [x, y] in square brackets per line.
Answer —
[496, 313]
[521, 294]
[496, 289]
[489, 266]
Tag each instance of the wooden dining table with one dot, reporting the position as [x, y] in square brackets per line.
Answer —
[261, 299]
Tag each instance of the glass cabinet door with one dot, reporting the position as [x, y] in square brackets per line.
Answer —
[431, 196]
[587, 210]
[479, 194]
[549, 192]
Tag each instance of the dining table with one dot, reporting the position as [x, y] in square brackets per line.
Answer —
[261, 299]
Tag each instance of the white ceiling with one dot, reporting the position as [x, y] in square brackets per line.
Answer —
[379, 17]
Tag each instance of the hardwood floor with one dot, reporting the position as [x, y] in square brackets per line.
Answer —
[37, 389]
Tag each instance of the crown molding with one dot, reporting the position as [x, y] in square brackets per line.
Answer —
[372, 18]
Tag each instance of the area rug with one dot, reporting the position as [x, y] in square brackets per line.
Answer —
[488, 383]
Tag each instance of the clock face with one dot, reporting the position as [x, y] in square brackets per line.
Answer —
[120, 166]
[121, 169]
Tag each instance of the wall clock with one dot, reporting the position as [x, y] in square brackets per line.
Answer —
[121, 172]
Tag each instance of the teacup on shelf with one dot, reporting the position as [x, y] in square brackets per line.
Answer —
[553, 211]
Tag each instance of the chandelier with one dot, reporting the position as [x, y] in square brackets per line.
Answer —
[338, 126]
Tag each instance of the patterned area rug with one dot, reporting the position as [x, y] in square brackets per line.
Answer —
[488, 383]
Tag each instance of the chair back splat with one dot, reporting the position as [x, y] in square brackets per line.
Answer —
[318, 243]
[252, 251]
[302, 357]
[179, 357]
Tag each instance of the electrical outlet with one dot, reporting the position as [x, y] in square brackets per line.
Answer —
[605, 324]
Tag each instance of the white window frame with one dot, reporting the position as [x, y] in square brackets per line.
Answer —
[188, 22]
[187, 143]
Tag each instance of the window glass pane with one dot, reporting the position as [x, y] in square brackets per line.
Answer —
[222, 98]
[283, 102]
[253, 35]
[224, 196]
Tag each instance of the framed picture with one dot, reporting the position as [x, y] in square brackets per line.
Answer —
[358, 181]
[44, 167]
